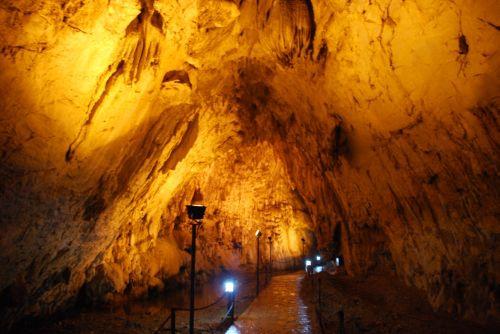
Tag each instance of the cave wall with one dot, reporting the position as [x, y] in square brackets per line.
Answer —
[375, 120]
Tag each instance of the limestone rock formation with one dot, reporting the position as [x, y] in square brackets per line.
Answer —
[369, 127]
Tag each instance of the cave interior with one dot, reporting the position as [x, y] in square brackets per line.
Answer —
[370, 129]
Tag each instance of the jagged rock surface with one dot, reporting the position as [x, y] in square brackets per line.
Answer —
[366, 126]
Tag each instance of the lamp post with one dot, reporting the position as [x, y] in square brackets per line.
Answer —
[229, 287]
[270, 238]
[308, 268]
[303, 245]
[258, 234]
[195, 213]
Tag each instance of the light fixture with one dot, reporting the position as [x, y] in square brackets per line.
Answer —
[229, 286]
[318, 258]
[337, 261]
[196, 211]
[308, 263]
[258, 233]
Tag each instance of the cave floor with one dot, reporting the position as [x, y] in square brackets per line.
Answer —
[379, 303]
[278, 309]
[145, 316]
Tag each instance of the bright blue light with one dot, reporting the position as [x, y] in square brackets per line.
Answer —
[318, 258]
[229, 286]
[308, 263]
[318, 269]
[337, 261]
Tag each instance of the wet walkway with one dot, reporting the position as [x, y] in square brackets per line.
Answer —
[278, 309]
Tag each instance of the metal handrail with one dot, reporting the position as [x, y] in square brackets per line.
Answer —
[163, 324]
[203, 307]
[173, 309]
[319, 315]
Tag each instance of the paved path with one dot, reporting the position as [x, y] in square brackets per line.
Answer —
[278, 309]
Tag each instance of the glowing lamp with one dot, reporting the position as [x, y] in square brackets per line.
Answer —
[337, 261]
[196, 211]
[229, 286]
[318, 258]
[258, 233]
[308, 263]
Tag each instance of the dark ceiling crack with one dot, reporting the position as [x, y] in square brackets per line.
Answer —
[494, 26]
[399, 132]
[76, 28]
[177, 76]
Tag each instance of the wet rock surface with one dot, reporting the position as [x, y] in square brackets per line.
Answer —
[378, 304]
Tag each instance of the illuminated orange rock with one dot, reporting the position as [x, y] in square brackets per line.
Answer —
[366, 127]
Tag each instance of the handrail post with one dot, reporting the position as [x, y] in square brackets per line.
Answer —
[319, 292]
[172, 321]
[341, 321]
[270, 257]
[257, 269]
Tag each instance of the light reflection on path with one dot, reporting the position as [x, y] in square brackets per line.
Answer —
[278, 309]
